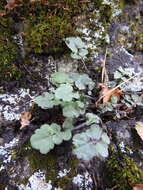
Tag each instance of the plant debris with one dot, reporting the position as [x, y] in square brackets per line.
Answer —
[25, 119]
[107, 93]
[138, 187]
[139, 128]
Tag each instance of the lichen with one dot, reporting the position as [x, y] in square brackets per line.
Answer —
[50, 164]
[121, 170]
[131, 34]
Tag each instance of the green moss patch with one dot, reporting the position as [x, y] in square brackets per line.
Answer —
[47, 24]
[8, 49]
[50, 163]
[122, 171]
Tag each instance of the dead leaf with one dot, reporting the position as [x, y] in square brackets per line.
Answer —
[106, 93]
[25, 119]
[138, 187]
[12, 4]
[139, 128]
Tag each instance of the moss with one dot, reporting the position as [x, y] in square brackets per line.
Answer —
[123, 172]
[8, 49]
[50, 164]
[44, 27]
[134, 35]
[47, 24]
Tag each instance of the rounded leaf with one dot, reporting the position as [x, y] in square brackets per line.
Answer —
[60, 77]
[105, 138]
[64, 92]
[45, 100]
[66, 135]
[101, 149]
[44, 138]
[68, 123]
[89, 144]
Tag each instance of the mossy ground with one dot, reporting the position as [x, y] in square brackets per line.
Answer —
[8, 49]
[44, 26]
[50, 163]
[121, 171]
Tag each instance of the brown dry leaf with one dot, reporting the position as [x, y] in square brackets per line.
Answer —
[138, 187]
[139, 128]
[107, 93]
[25, 119]
[12, 4]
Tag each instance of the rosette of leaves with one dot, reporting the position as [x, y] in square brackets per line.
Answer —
[73, 109]
[81, 81]
[46, 100]
[133, 85]
[68, 93]
[77, 46]
[132, 100]
[92, 118]
[48, 136]
[109, 106]
[124, 74]
[92, 142]
[65, 93]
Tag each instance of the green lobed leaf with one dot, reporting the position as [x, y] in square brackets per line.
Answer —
[68, 123]
[64, 92]
[94, 132]
[75, 43]
[84, 81]
[92, 118]
[66, 135]
[48, 136]
[101, 149]
[75, 56]
[70, 42]
[105, 138]
[72, 110]
[92, 142]
[83, 52]
[60, 77]
[45, 100]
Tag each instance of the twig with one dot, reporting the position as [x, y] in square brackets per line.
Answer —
[104, 76]
[79, 126]
[115, 88]
[87, 96]
[113, 187]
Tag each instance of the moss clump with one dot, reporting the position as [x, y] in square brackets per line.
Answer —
[50, 164]
[122, 171]
[46, 24]
[8, 49]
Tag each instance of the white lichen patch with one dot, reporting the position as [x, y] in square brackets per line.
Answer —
[37, 182]
[63, 173]
[83, 181]
[124, 149]
[107, 2]
[115, 7]
[12, 105]
[2, 168]
[6, 152]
